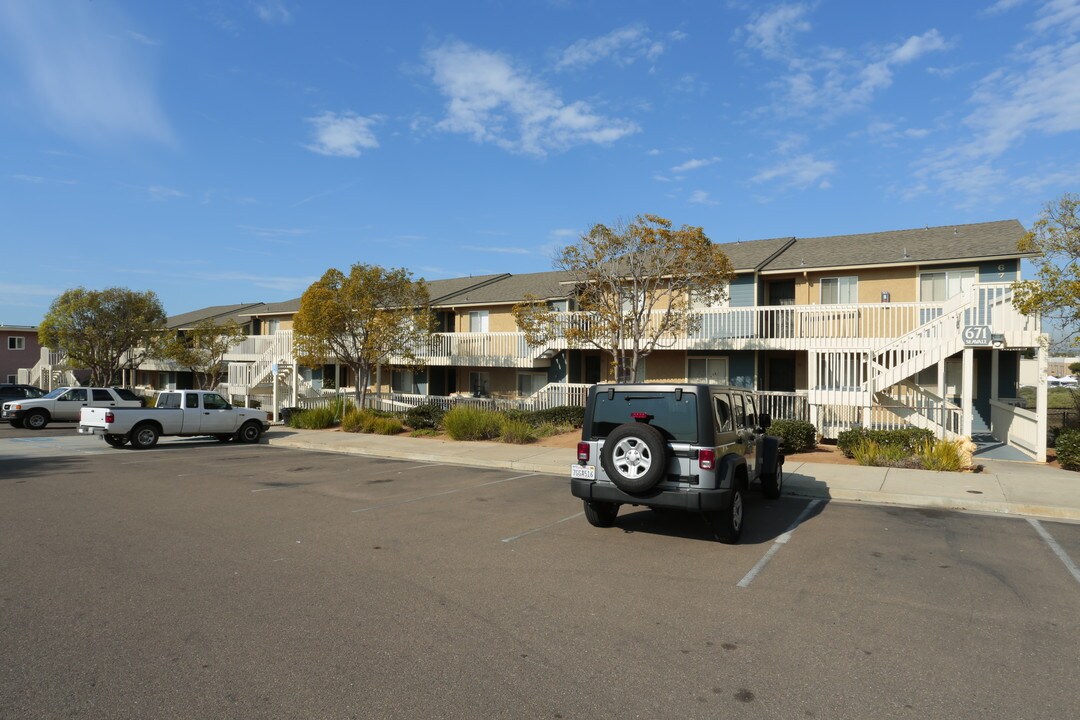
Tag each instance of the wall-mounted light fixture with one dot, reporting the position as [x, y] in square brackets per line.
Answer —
[885, 297]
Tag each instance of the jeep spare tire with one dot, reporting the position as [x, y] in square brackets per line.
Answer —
[635, 457]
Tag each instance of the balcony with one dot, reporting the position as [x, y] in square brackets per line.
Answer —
[492, 349]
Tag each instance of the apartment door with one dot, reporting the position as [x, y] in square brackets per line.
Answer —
[592, 369]
[782, 374]
[780, 323]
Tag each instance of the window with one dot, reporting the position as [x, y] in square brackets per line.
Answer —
[723, 413]
[839, 290]
[213, 401]
[530, 383]
[740, 411]
[168, 400]
[479, 383]
[102, 395]
[16, 342]
[191, 401]
[272, 327]
[478, 321]
[11, 379]
[712, 370]
[74, 395]
[945, 284]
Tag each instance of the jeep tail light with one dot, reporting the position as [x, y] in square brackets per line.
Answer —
[583, 452]
[706, 459]
[109, 417]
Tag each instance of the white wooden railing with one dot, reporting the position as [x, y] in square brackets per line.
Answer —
[1016, 426]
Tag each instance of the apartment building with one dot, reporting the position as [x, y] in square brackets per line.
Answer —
[19, 348]
[889, 329]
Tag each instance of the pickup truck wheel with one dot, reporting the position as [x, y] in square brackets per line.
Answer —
[115, 440]
[36, 419]
[223, 438]
[144, 436]
[250, 432]
[727, 524]
[15, 423]
[635, 457]
[601, 514]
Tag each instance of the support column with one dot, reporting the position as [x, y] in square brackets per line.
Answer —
[1043, 356]
[995, 364]
[966, 393]
[294, 400]
[274, 393]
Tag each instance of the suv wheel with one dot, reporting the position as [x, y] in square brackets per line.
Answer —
[635, 457]
[36, 420]
[727, 524]
[601, 514]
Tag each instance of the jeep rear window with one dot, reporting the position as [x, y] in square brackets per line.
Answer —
[676, 419]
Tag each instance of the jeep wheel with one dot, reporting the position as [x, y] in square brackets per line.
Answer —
[635, 457]
[772, 484]
[115, 440]
[601, 514]
[727, 524]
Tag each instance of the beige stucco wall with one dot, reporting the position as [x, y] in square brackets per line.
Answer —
[901, 283]
[500, 319]
[666, 366]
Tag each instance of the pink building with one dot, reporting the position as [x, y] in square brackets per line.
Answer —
[19, 348]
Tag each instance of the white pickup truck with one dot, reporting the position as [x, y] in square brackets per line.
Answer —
[64, 405]
[183, 413]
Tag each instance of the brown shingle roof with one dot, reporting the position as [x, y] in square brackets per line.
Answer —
[217, 313]
[512, 289]
[904, 247]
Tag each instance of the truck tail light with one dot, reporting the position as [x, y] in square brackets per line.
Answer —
[109, 417]
[706, 459]
[583, 452]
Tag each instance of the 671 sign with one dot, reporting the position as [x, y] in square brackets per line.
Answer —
[977, 335]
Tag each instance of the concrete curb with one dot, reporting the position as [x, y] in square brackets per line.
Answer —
[825, 492]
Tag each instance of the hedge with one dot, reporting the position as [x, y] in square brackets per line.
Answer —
[1068, 449]
[909, 439]
[798, 435]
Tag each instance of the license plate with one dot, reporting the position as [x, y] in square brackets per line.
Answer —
[583, 472]
[84, 430]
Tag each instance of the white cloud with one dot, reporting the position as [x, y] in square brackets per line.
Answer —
[918, 45]
[694, 164]
[1003, 6]
[700, 197]
[1037, 94]
[492, 101]
[828, 81]
[142, 39]
[800, 171]
[342, 135]
[270, 233]
[772, 32]
[273, 11]
[74, 74]
[1060, 15]
[279, 282]
[559, 233]
[39, 180]
[622, 46]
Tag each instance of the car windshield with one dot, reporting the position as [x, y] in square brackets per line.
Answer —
[55, 393]
[677, 419]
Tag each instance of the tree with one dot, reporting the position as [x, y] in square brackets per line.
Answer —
[636, 285]
[202, 349]
[104, 330]
[1055, 293]
[362, 319]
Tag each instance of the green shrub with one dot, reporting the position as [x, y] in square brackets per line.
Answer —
[548, 429]
[386, 426]
[355, 420]
[515, 431]
[425, 432]
[468, 423]
[1068, 449]
[943, 455]
[318, 418]
[424, 417]
[571, 415]
[799, 435]
[908, 439]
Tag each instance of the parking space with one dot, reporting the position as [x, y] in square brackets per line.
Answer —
[201, 579]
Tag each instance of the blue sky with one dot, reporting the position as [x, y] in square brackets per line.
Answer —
[221, 151]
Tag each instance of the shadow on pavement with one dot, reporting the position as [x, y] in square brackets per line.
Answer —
[765, 520]
[19, 468]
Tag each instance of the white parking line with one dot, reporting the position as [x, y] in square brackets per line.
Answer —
[749, 578]
[439, 494]
[1058, 550]
[545, 527]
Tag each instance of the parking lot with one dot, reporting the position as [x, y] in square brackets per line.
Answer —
[200, 579]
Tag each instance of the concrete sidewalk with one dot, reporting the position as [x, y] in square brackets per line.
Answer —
[1008, 488]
